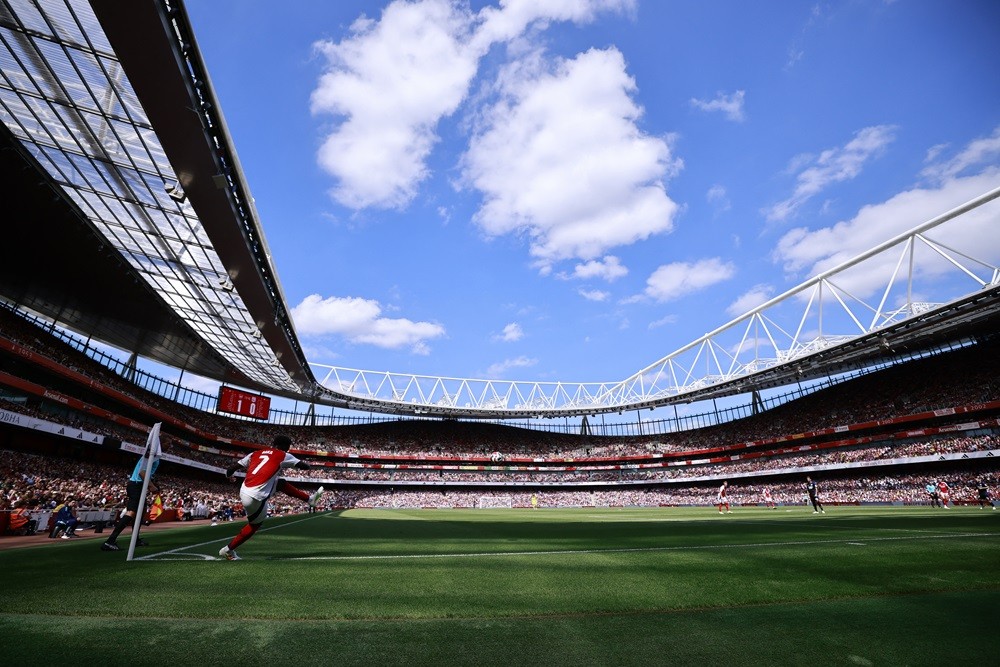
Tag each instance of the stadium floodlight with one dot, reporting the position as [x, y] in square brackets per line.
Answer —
[175, 192]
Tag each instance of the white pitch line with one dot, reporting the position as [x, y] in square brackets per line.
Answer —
[631, 549]
[223, 539]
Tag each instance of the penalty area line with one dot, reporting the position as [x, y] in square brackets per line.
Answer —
[693, 547]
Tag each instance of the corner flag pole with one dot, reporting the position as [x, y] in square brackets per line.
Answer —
[151, 454]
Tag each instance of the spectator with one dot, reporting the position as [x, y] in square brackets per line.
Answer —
[21, 522]
[65, 520]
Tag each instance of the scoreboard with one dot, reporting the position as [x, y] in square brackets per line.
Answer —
[238, 402]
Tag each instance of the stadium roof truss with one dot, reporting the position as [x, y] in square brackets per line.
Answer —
[166, 191]
[882, 301]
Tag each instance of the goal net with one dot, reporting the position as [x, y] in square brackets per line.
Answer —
[494, 502]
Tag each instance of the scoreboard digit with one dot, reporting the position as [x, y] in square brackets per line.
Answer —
[237, 402]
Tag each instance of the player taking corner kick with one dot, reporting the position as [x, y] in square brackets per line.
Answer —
[261, 481]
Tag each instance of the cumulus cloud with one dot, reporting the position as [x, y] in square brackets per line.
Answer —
[609, 268]
[730, 105]
[504, 23]
[391, 81]
[511, 333]
[561, 160]
[594, 295]
[501, 367]
[750, 299]
[833, 165]
[676, 280]
[360, 321]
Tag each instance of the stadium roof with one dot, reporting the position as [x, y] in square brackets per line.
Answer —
[149, 240]
[134, 225]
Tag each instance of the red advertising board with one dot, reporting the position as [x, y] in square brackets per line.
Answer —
[237, 402]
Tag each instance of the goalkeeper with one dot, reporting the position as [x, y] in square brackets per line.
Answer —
[261, 481]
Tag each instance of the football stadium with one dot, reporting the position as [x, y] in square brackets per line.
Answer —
[814, 481]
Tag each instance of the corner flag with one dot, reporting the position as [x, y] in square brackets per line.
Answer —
[152, 453]
[153, 442]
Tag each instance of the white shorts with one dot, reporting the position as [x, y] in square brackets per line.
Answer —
[255, 508]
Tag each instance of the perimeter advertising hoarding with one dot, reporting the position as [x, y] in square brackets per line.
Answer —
[237, 402]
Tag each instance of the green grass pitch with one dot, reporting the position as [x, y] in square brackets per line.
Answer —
[671, 586]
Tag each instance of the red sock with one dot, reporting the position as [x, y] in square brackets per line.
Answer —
[243, 535]
[293, 491]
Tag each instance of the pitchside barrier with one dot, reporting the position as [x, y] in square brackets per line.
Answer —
[95, 518]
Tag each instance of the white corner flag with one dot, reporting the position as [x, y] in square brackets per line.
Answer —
[153, 441]
[150, 454]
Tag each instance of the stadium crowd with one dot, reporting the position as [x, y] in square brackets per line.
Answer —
[455, 457]
[507, 473]
[900, 489]
[964, 376]
[40, 483]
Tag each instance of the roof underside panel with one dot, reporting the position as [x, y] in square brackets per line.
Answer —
[72, 113]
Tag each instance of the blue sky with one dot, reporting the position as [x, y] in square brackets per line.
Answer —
[571, 190]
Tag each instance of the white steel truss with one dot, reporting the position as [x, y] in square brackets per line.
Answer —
[938, 262]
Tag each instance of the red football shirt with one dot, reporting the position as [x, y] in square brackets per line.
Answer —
[263, 467]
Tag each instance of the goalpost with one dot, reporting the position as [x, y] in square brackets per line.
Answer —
[494, 502]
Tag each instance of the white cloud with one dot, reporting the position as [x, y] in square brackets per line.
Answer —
[663, 321]
[833, 165]
[609, 268]
[511, 333]
[934, 151]
[760, 345]
[676, 280]
[391, 80]
[718, 197]
[319, 353]
[977, 152]
[359, 321]
[197, 383]
[594, 295]
[810, 252]
[501, 367]
[731, 105]
[750, 299]
[513, 16]
[796, 50]
[561, 160]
